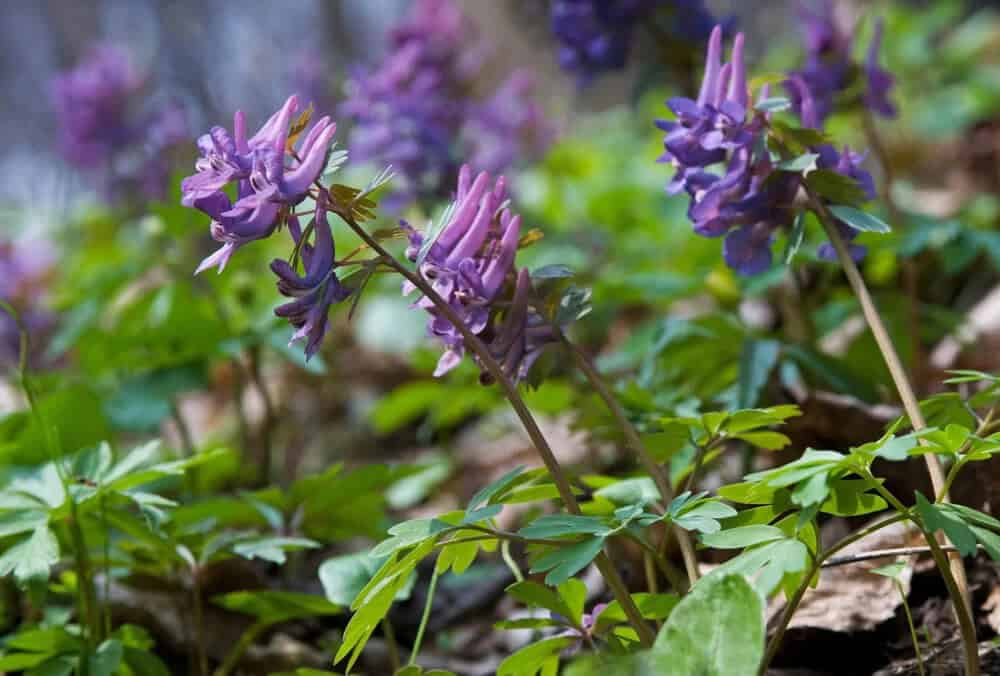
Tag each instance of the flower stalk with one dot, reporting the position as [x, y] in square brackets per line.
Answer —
[496, 372]
[952, 571]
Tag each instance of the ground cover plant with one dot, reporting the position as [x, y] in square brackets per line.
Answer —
[414, 375]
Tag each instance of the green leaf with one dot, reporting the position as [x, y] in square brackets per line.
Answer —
[541, 657]
[935, 518]
[836, 187]
[893, 570]
[773, 105]
[801, 164]
[716, 630]
[271, 548]
[277, 606]
[107, 658]
[574, 593]
[651, 607]
[32, 558]
[744, 536]
[860, 220]
[343, 577]
[21, 521]
[409, 533]
[564, 562]
[557, 525]
[768, 441]
[637, 491]
[489, 491]
[848, 497]
[757, 360]
[795, 238]
[144, 663]
[539, 596]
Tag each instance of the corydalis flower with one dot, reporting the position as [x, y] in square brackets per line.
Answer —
[315, 290]
[92, 102]
[410, 111]
[509, 127]
[106, 129]
[467, 265]
[596, 36]
[831, 71]
[268, 181]
[743, 203]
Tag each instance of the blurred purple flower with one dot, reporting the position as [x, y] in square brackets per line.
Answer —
[24, 269]
[830, 70]
[507, 128]
[416, 110]
[596, 36]
[105, 128]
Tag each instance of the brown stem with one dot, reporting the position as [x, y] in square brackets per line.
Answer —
[657, 471]
[902, 382]
[604, 565]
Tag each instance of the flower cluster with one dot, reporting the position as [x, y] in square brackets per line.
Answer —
[830, 70]
[468, 265]
[596, 36]
[271, 177]
[750, 198]
[411, 109]
[104, 129]
[24, 267]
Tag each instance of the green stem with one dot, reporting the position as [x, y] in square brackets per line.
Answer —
[476, 346]
[424, 618]
[392, 644]
[965, 624]
[634, 440]
[913, 629]
[515, 569]
[236, 654]
[896, 370]
[793, 603]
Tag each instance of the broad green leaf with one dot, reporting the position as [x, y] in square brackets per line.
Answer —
[757, 361]
[651, 607]
[848, 497]
[541, 657]
[558, 525]
[21, 521]
[637, 491]
[769, 441]
[343, 577]
[277, 606]
[144, 663]
[564, 562]
[540, 596]
[744, 536]
[271, 548]
[107, 658]
[409, 533]
[32, 558]
[716, 630]
[574, 593]
[935, 518]
[836, 187]
[859, 220]
[487, 492]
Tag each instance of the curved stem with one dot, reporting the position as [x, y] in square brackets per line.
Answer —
[236, 654]
[898, 373]
[793, 603]
[415, 652]
[657, 471]
[913, 629]
[604, 565]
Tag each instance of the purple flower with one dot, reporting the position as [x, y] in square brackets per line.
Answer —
[468, 262]
[521, 337]
[314, 291]
[830, 70]
[24, 270]
[92, 102]
[879, 80]
[418, 111]
[267, 182]
[106, 129]
[508, 127]
[596, 36]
